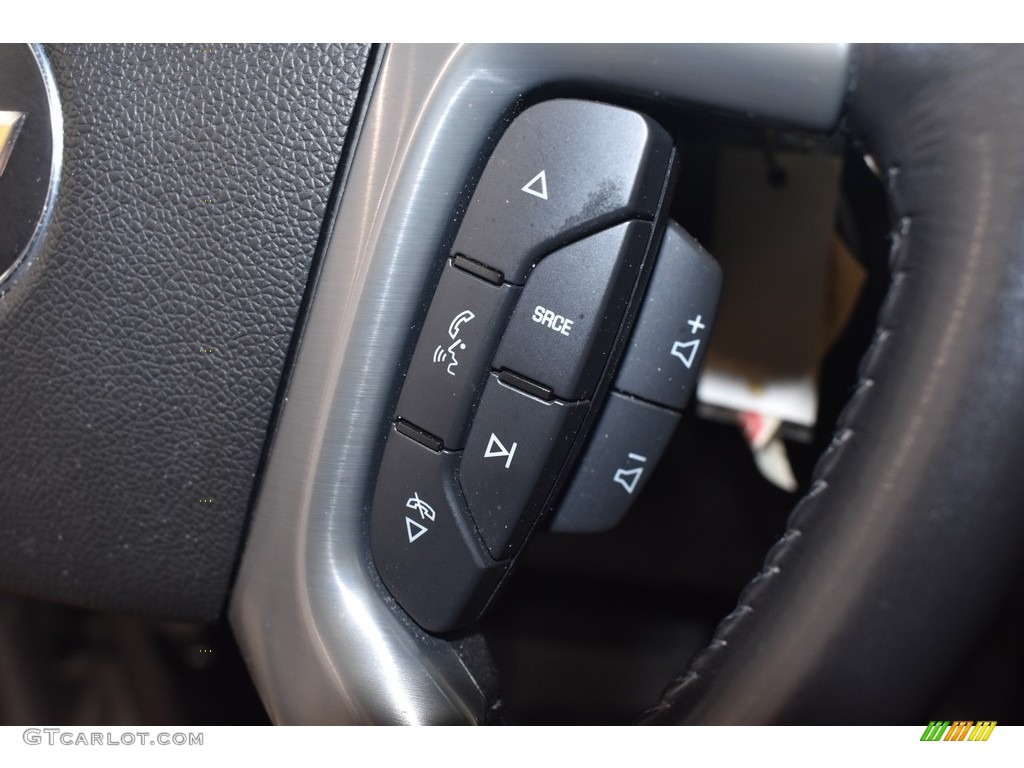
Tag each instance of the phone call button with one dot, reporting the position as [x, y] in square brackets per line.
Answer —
[453, 354]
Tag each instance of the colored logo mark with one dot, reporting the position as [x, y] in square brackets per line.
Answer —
[958, 730]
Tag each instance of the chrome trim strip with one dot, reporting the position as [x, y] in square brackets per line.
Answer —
[56, 168]
[322, 641]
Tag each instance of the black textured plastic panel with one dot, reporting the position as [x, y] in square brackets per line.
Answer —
[140, 357]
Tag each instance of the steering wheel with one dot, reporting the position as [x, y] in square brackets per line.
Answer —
[201, 357]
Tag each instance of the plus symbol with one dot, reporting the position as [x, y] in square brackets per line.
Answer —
[695, 325]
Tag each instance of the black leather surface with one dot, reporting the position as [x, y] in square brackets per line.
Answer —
[196, 182]
[915, 523]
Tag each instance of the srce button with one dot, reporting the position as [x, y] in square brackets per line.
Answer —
[571, 308]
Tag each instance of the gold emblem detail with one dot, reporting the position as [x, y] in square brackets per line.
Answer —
[10, 127]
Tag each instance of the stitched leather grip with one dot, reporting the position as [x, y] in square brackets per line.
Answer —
[913, 526]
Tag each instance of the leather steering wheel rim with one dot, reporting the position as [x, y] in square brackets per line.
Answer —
[900, 552]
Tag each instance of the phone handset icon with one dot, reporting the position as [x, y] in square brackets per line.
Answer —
[457, 322]
[454, 332]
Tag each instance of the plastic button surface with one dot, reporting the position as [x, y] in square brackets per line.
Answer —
[515, 449]
[571, 308]
[425, 547]
[671, 334]
[453, 355]
[624, 448]
[562, 170]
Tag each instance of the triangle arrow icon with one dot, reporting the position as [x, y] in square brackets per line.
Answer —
[537, 186]
[410, 524]
[495, 449]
